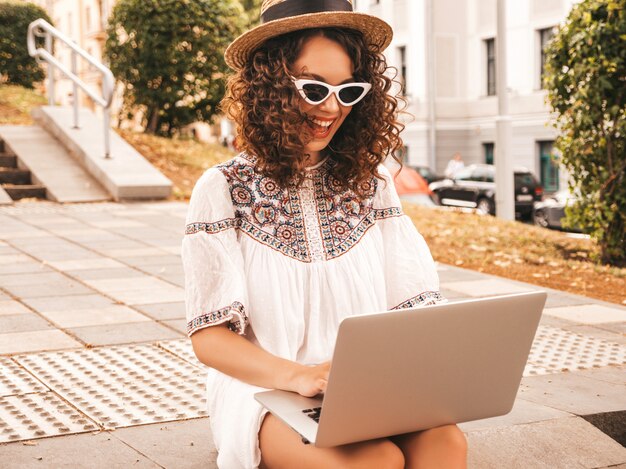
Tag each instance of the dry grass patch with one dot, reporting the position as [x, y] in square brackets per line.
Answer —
[182, 160]
[16, 103]
[518, 251]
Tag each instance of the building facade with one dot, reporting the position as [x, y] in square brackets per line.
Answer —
[444, 51]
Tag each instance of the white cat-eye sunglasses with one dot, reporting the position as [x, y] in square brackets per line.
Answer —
[316, 92]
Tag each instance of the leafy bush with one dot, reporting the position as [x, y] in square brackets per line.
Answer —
[16, 66]
[170, 56]
[586, 82]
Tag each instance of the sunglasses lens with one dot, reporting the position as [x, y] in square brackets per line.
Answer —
[350, 94]
[315, 92]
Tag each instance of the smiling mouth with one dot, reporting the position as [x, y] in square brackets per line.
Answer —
[321, 128]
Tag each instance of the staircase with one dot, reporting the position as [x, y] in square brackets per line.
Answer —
[17, 183]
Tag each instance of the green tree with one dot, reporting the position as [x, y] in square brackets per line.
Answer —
[170, 56]
[16, 66]
[586, 82]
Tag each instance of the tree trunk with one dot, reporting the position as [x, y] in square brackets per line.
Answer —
[153, 122]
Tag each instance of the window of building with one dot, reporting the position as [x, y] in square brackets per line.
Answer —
[70, 29]
[544, 37]
[548, 167]
[490, 47]
[488, 152]
[402, 62]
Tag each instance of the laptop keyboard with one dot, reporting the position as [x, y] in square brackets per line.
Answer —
[313, 413]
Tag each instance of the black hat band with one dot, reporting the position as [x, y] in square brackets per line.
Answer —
[290, 8]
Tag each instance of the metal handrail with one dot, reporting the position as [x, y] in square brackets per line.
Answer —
[41, 28]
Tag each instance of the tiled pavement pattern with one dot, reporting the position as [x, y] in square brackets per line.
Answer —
[95, 369]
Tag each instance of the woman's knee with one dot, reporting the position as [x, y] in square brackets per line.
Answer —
[451, 437]
[379, 454]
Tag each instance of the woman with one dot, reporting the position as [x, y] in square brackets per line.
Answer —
[300, 230]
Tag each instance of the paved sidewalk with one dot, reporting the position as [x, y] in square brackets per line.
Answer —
[96, 370]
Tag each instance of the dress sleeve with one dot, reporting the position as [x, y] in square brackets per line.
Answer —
[410, 272]
[215, 290]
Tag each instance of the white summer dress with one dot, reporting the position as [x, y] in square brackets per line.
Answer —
[284, 266]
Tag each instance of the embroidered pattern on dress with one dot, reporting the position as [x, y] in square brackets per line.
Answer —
[423, 299]
[315, 222]
[235, 313]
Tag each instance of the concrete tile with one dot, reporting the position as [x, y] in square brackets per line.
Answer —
[97, 274]
[68, 303]
[451, 274]
[23, 322]
[619, 327]
[115, 314]
[85, 264]
[89, 450]
[489, 287]
[124, 333]
[60, 253]
[10, 259]
[597, 331]
[30, 279]
[574, 392]
[610, 374]
[588, 314]
[178, 324]
[175, 310]
[563, 443]
[10, 307]
[134, 252]
[112, 285]
[158, 260]
[164, 295]
[164, 269]
[523, 412]
[117, 223]
[192, 440]
[452, 295]
[174, 249]
[556, 299]
[556, 322]
[176, 279]
[36, 341]
[30, 267]
[38, 285]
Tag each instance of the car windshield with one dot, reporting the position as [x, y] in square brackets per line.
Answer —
[524, 179]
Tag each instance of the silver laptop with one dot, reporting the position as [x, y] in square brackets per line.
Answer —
[408, 370]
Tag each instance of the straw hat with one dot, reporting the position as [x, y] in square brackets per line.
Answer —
[284, 16]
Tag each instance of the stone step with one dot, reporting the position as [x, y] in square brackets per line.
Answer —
[8, 161]
[23, 191]
[14, 176]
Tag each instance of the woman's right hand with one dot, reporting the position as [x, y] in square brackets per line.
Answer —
[311, 380]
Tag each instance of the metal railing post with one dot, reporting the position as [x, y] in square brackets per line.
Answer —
[41, 28]
[50, 71]
[75, 91]
[107, 132]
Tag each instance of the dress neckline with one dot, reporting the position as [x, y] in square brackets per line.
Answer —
[317, 165]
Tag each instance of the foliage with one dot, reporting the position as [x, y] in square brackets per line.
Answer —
[16, 66]
[253, 10]
[16, 103]
[170, 56]
[586, 82]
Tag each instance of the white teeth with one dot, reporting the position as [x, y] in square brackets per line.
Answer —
[322, 123]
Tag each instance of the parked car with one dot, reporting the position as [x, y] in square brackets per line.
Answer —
[427, 173]
[550, 211]
[412, 187]
[474, 187]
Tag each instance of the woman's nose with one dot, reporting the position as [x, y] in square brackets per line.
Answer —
[331, 104]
